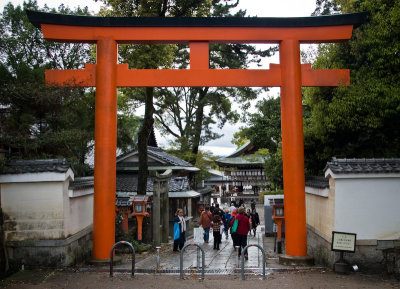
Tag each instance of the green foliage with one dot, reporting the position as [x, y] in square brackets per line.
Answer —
[361, 120]
[187, 114]
[128, 125]
[204, 160]
[38, 121]
[239, 138]
[273, 166]
[262, 195]
[121, 236]
[262, 152]
[264, 131]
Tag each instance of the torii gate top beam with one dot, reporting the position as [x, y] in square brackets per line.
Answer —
[185, 29]
[198, 32]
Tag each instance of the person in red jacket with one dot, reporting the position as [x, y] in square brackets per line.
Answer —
[242, 229]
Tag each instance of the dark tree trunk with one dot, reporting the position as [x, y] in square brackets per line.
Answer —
[143, 140]
[199, 122]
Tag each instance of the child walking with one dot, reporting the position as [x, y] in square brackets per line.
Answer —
[217, 221]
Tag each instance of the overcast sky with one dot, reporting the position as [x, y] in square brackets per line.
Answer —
[261, 8]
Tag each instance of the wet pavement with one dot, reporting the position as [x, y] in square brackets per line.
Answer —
[223, 261]
[220, 271]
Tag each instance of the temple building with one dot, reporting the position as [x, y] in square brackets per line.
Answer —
[244, 170]
[180, 185]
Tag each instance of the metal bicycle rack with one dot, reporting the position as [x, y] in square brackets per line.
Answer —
[202, 259]
[263, 259]
[112, 257]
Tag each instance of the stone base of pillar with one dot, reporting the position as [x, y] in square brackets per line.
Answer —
[104, 262]
[296, 260]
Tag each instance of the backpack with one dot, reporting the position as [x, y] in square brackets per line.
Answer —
[234, 226]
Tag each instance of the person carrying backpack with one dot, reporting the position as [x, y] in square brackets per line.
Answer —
[226, 219]
[242, 229]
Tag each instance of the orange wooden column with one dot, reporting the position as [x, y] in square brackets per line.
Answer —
[105, 149]
[293, 148]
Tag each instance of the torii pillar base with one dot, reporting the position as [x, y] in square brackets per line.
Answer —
[298, 261]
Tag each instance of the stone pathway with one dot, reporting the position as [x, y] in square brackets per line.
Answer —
[223, 259]
[216, 261]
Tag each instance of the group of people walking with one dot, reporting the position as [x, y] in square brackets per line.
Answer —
[233, 220]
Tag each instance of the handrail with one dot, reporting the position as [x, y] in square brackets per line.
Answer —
[263, 261]
[112, 257]
[181, 259]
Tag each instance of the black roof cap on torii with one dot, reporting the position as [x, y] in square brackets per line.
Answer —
[38, 18]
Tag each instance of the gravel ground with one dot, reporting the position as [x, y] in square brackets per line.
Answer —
[311, 279]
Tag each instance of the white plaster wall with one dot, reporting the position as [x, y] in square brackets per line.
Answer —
[368, 207]
[32, 210]
[320, 212]
[78, 212]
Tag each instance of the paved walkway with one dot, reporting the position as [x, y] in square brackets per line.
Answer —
[220, 272]
[223, 261]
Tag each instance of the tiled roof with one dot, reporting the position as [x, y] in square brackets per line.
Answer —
[82, 183]
[158, 153]
[357, 166]
[242, 150]
[127, 182]
[317, 182]
[36, 166]
[251, 160]
[161, 154]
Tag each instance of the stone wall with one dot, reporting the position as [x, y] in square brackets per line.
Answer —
[52, 253]
[3, 252]
[371, 256]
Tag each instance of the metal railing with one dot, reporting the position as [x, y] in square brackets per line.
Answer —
[263, 259]
[112, 257]
[181, 259]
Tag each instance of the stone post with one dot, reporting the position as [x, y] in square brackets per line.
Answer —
[160, 206]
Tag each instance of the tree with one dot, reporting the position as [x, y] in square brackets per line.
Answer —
[361, 120]
[264, 131]
[166, 56]
[189, 114]
[37, 120]
[149, 57]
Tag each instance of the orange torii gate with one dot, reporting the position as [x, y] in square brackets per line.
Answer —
[106, 75]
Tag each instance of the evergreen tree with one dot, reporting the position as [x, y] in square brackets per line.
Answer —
[202, 105]
[362, 120]
[38, 121]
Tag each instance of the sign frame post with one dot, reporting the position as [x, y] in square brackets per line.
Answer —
[343, 242]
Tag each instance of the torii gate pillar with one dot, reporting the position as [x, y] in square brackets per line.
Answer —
[105, 148]
[293, 148]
